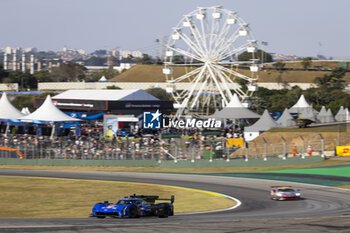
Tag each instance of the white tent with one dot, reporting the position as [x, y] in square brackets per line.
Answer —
[7, 110]
[263, 124]
[102, 79]
[304, 109]
[329, 116]
[25, 111]
[235, 110]
[47, 112]
[308, 113]
[300, 105]
[322, 116]
[286, 120]
[342, 115]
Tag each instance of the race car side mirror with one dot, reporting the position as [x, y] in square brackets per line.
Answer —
[172, 199]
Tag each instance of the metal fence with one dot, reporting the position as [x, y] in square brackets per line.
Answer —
[155, 148]
[265, 150]
[121, 149]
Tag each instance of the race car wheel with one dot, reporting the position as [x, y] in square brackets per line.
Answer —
[164, 212]
[170, 211]
[133, 212]
[100, 216]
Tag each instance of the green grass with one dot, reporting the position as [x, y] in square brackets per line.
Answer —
[28, 197]
[178, 170]
[330, 171]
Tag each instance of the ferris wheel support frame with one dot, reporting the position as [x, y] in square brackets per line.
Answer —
[209, 42]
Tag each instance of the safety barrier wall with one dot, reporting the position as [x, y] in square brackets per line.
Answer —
[146, 85]
[164, 164]
[8, 86]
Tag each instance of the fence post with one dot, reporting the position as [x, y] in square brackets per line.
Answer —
[256, 150]
[192, 160]
[176, 153]
[322, 146]
[211, 151]
[227, 150]
[246, 152]
[339, 137]
[152, 152]
[303, 152]
[265, 149]
[161, 152]
[284, 147]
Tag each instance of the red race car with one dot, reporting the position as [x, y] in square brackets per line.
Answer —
[281, 193]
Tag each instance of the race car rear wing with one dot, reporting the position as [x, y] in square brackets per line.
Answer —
[153, 199]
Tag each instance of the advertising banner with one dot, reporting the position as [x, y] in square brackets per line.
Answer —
[343, 150]
[110, 125]
[237, 142]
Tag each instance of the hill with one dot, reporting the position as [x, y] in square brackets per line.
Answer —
[153, 73]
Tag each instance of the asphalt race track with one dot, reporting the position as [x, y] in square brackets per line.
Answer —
[323, 209]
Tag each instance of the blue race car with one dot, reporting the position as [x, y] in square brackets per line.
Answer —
[134, 207]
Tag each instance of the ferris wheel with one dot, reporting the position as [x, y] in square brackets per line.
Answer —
[201, 60]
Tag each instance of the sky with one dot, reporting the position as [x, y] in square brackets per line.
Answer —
[300, 27]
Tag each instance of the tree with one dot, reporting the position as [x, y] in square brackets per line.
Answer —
[130, 58]
[275, 100]
[328, 97]
[246, 56]
[333, 80]
[96, 61]
[158, 93]
[243, 83]
[113, 87]
[279, 65]
[21, 101]
[178, 59]
[100, 52]
[95, 75]
[146, 59]
[25, 80]
[3, 73]
[306, 62]
[68, 73]
[43, 76]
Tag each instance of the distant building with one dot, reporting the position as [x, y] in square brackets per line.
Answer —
[30, 50]
[10, 50]
[136, 54]
[81, 51]
[115, 53]
[284, 57]
[92, 102]
[120, 68]
[125, 53]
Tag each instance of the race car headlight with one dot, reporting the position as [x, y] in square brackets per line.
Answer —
[297, 194]
[279, 194]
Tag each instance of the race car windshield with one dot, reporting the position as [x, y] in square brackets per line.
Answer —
[125, 202]
[286, 190]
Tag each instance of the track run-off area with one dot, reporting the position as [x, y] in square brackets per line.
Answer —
[322, 209]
